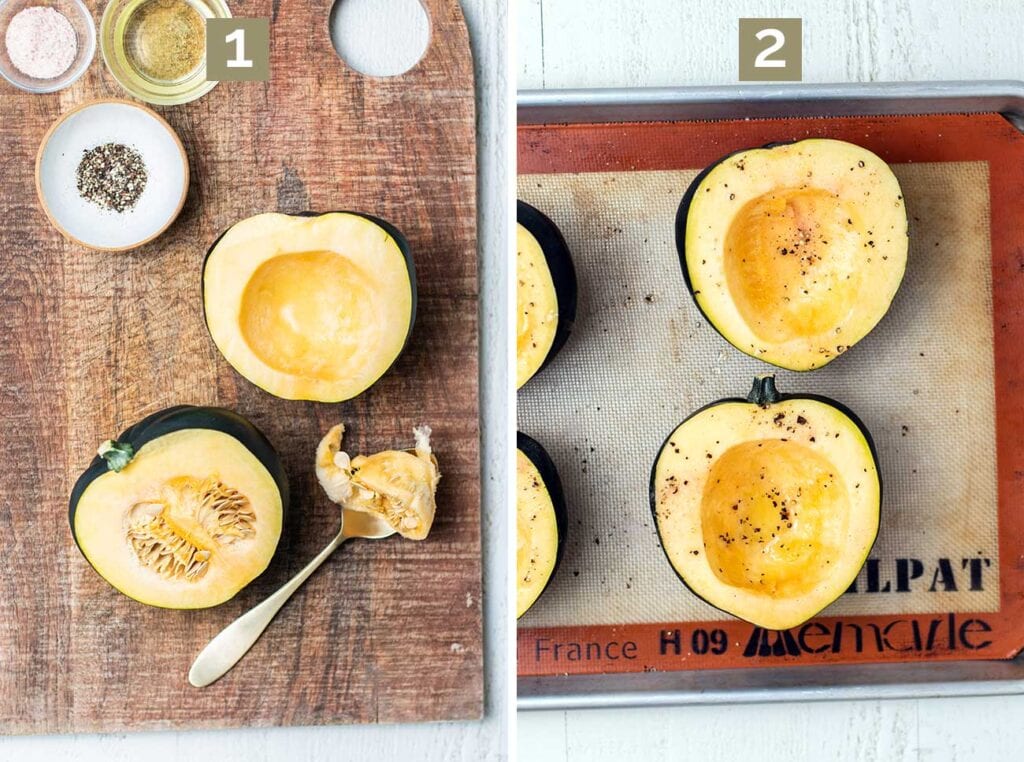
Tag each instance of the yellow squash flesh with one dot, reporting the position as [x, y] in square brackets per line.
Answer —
[312, 308]
[164, 500]
[796, 251]
[767, 512]
[536, 305]
[536, 534]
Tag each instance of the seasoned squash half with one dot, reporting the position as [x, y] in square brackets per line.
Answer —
[768, 507]
[541, 522]
[795, 251]
[182, 510]
[311, 307]
[545, 292]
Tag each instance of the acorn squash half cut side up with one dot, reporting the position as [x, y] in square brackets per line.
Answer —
[182, 510]
[794, 252]
[311, 307]
[541, 522]
[768, 507]
[545, 292]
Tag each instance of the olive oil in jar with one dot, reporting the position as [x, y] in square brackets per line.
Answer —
[156, 49]
[165, 40]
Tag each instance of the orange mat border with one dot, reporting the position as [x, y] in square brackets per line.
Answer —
[573, 148]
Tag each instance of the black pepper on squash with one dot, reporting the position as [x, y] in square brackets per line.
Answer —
[794, 251]
[767, 507]
[545, 292]
[541, 522]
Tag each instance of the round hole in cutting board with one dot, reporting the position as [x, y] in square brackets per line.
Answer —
[380, 38]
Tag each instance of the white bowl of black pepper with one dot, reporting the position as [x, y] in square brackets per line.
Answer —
[111, 175]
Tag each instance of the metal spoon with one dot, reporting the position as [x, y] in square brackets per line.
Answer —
[232, 643]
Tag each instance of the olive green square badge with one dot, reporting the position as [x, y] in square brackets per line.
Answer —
[237, 49]
[771, 50]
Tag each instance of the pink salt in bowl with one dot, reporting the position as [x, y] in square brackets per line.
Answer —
[84, 27]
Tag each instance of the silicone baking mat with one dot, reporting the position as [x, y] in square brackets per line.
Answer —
[938, 384]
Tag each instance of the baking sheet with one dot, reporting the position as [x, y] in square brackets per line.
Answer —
[580, 148]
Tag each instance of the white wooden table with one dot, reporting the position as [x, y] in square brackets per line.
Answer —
[610, 43]
[390, 33]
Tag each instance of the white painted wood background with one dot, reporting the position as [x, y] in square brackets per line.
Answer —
[647, 43]
[391, 30]
[611, 43]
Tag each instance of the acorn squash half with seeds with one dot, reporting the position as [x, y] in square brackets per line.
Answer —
[768, 507]
[312, 306]
[794, 252]
[183, 509]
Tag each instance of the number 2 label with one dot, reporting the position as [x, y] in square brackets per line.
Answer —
[770, 50]
[763, 61]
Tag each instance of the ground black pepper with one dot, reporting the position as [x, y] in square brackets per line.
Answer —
[112, 176]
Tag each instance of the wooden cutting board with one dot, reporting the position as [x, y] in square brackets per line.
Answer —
[386, 631]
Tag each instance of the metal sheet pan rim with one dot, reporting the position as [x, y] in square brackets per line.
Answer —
[942, 679]
[620, 699]
[767, 101]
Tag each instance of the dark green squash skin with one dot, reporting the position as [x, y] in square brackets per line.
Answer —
[188, 417]
[682, 215]
[549, 475]
[391, 230]
[763, 391]
[563, 273]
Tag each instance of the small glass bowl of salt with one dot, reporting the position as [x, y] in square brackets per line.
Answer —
[45, 45]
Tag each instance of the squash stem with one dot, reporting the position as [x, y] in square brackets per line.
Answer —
[117, 454]
[763, 392]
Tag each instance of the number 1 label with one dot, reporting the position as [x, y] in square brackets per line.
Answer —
[239, 61]
[237, 49]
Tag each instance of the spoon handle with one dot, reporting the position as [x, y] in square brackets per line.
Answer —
[232, 643]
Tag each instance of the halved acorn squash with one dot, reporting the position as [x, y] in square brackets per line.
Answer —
[768, 507]
[183, 509]
[311, 307]
[541, 522]
[545, 292]
[794, 252]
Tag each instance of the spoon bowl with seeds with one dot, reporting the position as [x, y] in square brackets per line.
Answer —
[380, 495]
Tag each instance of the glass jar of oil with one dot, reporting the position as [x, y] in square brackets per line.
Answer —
[156, 49]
